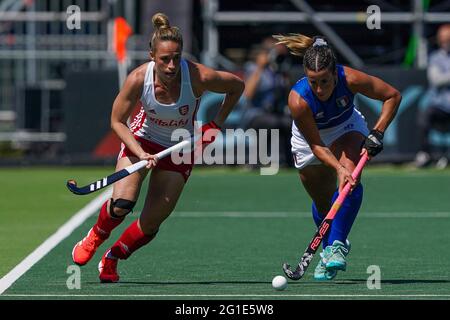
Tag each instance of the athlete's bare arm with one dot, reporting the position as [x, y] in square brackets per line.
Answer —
[123, 106]
[207, 79]
[375, 88]
[305, 122]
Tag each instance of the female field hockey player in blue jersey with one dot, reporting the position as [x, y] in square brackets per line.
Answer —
[329, 135]
[168, 88]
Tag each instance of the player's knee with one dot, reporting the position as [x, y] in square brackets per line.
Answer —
[121, 207]
[322, 209]
[149, 230]
[322, 205]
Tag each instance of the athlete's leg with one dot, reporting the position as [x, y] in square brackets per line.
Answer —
[164, 191]
[320, 183]
[347, 150]
[165, 188]
[112, 212]
[124, 197]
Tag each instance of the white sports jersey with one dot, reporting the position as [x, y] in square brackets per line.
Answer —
[156, 121]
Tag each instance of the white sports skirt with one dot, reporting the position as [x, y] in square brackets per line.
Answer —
[303, 156]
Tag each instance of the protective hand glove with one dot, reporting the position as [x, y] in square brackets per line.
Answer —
[373, 143]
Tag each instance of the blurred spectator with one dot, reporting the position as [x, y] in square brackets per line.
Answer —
[266, 90]
[437, 114]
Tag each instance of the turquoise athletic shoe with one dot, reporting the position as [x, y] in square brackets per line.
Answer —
[334, 256]
[321, 273]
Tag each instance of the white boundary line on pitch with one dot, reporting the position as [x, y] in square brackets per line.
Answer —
[291, 214]
[82, 215]
[227, 295]
[51, 242]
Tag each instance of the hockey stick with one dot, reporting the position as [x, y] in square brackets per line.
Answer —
[323, 228]
[116, 176]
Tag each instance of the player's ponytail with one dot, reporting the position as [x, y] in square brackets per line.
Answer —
[317, 54]
[164, 31]
[296, 43]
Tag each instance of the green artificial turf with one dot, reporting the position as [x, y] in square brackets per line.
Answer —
[232, 230]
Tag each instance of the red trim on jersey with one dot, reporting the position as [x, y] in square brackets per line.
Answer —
[139, 119]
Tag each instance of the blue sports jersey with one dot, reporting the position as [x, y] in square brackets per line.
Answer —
[337, 109]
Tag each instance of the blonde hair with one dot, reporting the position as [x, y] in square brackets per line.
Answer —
[164, 32]
[295, 42]
[317, 54]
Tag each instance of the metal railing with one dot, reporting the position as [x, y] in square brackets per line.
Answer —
[36, 47]
[417, 17]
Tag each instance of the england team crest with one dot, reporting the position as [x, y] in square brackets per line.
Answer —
[183, 110]
[342, 101]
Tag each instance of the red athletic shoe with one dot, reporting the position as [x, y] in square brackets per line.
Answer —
[85, 249]
[108, 269]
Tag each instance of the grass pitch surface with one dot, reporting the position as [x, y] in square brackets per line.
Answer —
[229, 235]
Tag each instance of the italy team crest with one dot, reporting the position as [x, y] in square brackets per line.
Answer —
[183, 110]
[342, 101]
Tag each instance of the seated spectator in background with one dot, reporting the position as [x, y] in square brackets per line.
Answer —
[437, 114]
[266, 89]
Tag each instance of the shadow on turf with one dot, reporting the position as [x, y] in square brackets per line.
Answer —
[185, 282]
[340, 282]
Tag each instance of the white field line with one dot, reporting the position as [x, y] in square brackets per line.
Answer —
[231, 295]
[81, 216]
[62, 233]
[290, 214]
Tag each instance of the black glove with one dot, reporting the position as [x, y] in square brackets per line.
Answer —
[374, 143]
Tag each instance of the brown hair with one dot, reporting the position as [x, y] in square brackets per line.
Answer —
[317, 54]
[164, 32]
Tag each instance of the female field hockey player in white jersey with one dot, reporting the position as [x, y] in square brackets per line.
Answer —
[169, 90]
[329, 135]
